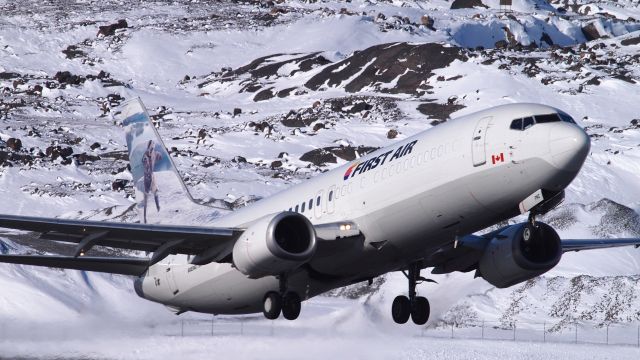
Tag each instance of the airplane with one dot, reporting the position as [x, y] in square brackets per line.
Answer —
[410, 206]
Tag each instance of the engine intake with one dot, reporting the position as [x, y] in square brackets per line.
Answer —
[275, 244]
[520, 252]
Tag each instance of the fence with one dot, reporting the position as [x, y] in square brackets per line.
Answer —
[577, 332]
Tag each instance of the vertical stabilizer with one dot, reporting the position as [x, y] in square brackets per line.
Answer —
[161, 195]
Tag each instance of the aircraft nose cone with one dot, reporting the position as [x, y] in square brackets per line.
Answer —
[569, 147]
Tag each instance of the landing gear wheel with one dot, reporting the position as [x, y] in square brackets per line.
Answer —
[272, 305]
[420, 310]
[291, 305]
[401, 309]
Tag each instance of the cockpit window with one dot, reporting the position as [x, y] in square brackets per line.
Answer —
[566, 118]
[540, 119]
[527, 123]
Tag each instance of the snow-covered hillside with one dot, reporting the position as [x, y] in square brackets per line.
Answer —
[253, 96]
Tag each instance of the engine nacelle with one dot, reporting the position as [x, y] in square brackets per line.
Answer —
[519, 253]
[275, 244]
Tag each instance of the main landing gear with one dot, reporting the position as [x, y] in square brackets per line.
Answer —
[287, 302]
[416, 307]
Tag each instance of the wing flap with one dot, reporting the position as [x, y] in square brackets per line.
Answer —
[123, 266]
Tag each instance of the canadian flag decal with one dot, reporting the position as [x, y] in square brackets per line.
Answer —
[497, 158]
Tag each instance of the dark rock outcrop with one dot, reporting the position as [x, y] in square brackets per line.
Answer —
[108, 30]
[467, 4]
[380, 65]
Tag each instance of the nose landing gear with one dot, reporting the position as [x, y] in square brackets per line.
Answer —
[286, 302]
[416, 307]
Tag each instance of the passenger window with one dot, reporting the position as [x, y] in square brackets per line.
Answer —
[330, 195]
[541, 119]
[527, 123]
[516, 124]
[303, 204]
[310, 204]
[296, 208]
[318, 201]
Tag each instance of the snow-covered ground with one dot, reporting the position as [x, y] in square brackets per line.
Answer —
[246, 93]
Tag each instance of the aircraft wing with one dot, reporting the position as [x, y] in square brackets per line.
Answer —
[591, 244]
[162, 240]
[119, 265]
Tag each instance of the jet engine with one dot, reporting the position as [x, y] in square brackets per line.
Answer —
[520, 252]
[275, 244]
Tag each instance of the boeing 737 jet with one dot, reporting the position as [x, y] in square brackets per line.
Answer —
[413, 205]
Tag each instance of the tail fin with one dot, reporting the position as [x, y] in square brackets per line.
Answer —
[161, 195]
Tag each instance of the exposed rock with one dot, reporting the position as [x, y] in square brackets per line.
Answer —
[467, 4]
[439, 111]
[108, 30]
[318, 126]
[238, 111]
[616, 219]
[8, 75]
[95, 146]
[428, 22]
[546, 39]
[264, 95]
[319, 157]
[57, 151]
[379, 65]
[330, 154]
[119, 184]
[501, 44]
[14, 144]
[65, 77]
[72, 52]
[392, 134]
[239, 159]
[276, 164]
[631, 41]
[83, 158]
[590, 32]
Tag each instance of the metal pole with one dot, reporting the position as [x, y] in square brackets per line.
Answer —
[638, 335]
[514, 331]
[182, 328]
[576, 332]
[452, 330]
[212, 318]
[482, 329]
[607, 334]
[544, 332]
[241, 326]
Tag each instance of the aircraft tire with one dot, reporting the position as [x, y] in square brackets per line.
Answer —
[420, 310]
[401, 309]
[291, 306]
[272, 305]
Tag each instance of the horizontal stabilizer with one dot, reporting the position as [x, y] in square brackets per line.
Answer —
[114, 265]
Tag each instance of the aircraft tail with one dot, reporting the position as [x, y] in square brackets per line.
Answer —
[161, 194]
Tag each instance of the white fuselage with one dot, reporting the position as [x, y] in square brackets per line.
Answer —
[407, 199]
